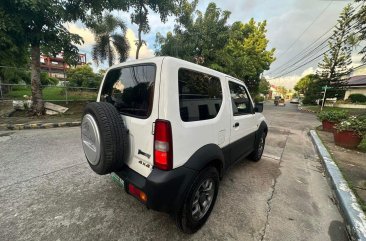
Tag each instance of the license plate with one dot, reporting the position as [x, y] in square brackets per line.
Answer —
[117, 179]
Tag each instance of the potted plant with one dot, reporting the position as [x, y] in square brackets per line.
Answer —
[331, 117]
[348, 133]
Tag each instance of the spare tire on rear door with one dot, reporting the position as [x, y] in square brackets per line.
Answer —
[104, 137]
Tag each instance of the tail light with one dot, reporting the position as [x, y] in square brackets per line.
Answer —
[134, 191]
[163, 145]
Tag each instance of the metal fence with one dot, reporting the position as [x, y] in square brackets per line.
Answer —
[53, 93]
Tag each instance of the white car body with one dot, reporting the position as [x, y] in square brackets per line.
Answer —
[188, 137]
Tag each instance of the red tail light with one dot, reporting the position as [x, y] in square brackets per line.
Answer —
[134, 191]
[163, 145]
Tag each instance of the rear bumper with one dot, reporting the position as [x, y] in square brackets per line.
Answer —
[165, 190]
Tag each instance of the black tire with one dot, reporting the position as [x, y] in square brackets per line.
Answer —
[184, 219]
[114, 142]
[256, 155]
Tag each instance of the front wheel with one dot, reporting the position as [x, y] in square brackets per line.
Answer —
[199, 202]
[256, 155]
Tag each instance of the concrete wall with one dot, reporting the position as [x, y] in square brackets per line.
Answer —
[355, 90]
[350, 106]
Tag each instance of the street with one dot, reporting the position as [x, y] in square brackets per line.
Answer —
[48, 192]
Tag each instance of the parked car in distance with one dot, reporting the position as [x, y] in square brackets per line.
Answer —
[167, 130]
[294, 101]
[276, 100]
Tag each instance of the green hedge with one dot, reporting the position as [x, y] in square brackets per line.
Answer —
[357, 98]
[258, 98]
[333, 115]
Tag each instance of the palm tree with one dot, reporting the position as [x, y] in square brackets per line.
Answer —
[107, 40]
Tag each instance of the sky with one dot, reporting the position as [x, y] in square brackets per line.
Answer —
[291, 26]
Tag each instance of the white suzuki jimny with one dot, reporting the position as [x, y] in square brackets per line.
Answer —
[167, 130]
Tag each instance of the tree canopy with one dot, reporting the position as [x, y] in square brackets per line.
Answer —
[264, 86]
[245, 56]
[108, 40]
[198, 37]
[334, 69]
[360, 21]
[310, 86]
[40, 24]
[206, 38]
[83, 76]
[140, 15]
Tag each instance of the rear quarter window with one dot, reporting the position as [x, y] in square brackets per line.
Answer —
[200, 95]
[131, 89]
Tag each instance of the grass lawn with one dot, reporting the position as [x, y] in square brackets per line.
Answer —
[316, 108]
[52, 93]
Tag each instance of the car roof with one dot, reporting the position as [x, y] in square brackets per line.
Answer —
[159, 59]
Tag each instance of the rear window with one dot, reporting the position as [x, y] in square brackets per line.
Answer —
[200, 95]
[130, 89]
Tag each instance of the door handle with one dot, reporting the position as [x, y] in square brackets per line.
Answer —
[236, 124]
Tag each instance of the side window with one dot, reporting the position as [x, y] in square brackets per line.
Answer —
[200, 95]
[130, 89]
[240, 100]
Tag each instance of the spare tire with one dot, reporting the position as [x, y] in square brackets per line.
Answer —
[104, 137]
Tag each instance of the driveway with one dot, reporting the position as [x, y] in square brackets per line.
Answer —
[48, 192]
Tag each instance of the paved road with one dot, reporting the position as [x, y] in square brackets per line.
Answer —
[48, 192]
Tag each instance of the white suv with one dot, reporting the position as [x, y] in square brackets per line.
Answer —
[167, 130]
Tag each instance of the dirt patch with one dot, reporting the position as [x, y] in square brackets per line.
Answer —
[6, 108]
[74, 113]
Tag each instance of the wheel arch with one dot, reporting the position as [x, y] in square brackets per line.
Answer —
[262, 128]
[208, 155]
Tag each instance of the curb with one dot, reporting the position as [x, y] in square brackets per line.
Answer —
[300, 108]
[39, 125]
[351, 210]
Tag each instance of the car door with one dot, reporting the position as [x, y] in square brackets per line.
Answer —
[131, 89]
[243, 122]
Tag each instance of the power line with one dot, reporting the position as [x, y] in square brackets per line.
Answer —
[303, 51]
[310, 53]
[311, 59]
[306, 51]
[300, 65]
[311, 24]
[300, 57]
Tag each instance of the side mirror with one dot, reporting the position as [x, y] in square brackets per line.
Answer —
[258, 107]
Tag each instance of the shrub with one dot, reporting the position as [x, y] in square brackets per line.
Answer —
[357, 98]
[47, 80]
[258, 98]
[333, 115]
[308, 100]
[362, 145]
[353, 123]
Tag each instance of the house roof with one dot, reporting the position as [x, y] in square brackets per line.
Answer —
[359, 80]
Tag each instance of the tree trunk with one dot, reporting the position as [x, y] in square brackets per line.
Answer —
[139, 31]
[139, 45]
[110, 59]
[37, 98]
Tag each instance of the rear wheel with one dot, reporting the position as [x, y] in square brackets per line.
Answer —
[199, 201]
[104, 137]
[256, 155]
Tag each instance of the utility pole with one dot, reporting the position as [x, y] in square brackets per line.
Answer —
[325, 91]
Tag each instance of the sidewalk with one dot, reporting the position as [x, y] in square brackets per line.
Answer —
[352, 165]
